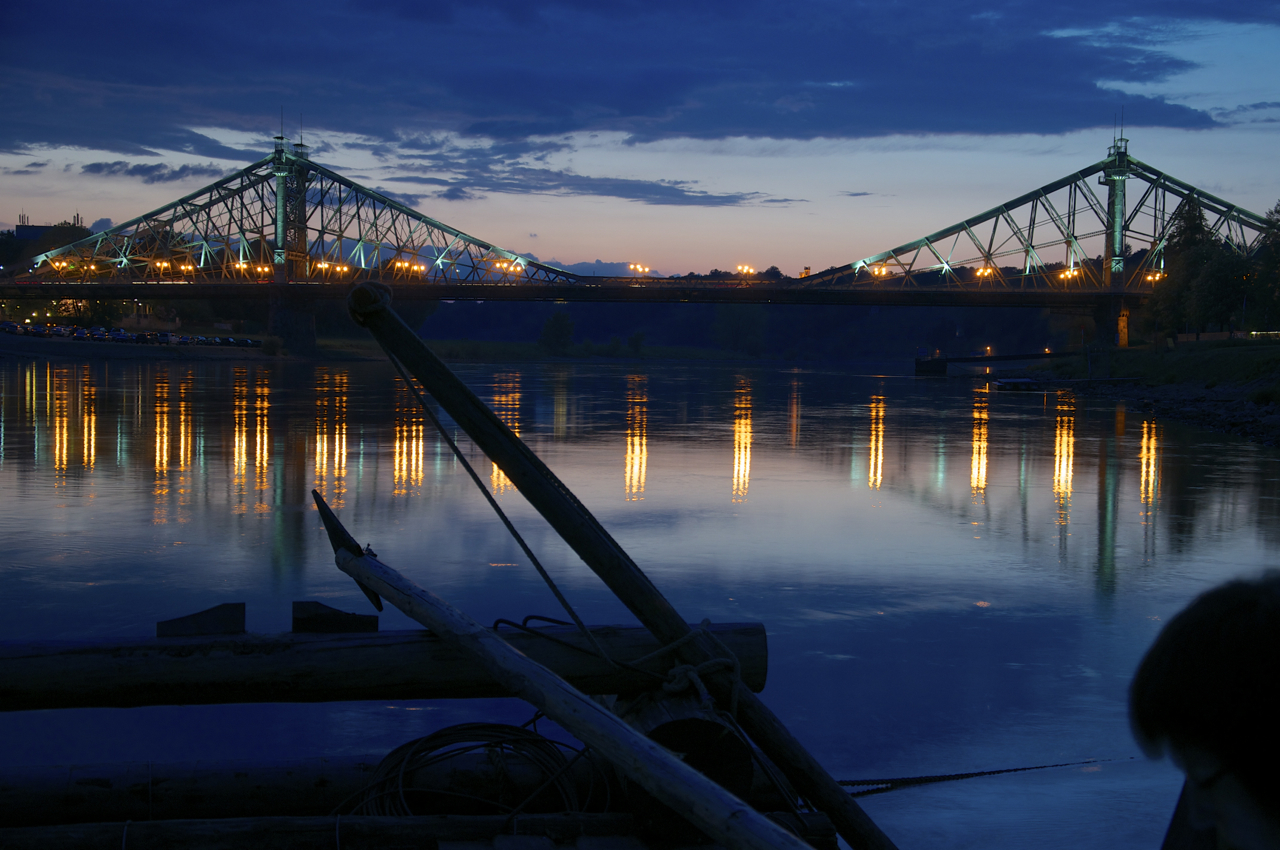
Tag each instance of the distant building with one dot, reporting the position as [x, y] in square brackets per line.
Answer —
[28, 232]
[31, 232]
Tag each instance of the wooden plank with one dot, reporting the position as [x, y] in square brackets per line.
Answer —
[370, 305]
[89, 793]
[394, 665]
[309, 833]
[225, 619]
[722, 816]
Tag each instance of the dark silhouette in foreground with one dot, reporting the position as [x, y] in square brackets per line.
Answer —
[1208, 693]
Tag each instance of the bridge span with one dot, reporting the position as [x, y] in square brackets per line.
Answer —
[292, 231]
[584, 289]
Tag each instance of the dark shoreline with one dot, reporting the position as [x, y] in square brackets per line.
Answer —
[1231, 388]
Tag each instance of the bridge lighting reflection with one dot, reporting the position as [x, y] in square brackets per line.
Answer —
[1149, 481]
[160, 514]
[331, 433]
[1063, 454]
[185, 441]
[793, 413]
[637, 460]
[978, 463]
[61, 417]
[261, 439]
[741, 440]
[89, 417]
[506, 406]
[875, 449]
[409, 442]
[240, 433]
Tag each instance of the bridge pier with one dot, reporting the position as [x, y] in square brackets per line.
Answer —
[291, 317]
[1112, 319]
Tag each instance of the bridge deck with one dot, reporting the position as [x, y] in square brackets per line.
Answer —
[589, 290]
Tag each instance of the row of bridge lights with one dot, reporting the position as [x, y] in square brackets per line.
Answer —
[336, 268]
[1067, 274]
[638, 269]
[986, 272]
[746, 270]
[407, 266]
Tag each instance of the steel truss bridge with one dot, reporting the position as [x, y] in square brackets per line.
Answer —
[288, 228]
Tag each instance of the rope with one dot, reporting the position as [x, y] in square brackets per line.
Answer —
[385, 795]
[683, 676]
[533, 559]
[910, 781]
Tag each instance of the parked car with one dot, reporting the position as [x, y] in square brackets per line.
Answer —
[244, 343]
[165, 338]
[9, 327]
[99, 335]
[145, 337]
[80, 334]
[200, 341]
[184, 340]
[37, 330]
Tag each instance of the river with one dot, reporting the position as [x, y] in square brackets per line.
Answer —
[953, 579]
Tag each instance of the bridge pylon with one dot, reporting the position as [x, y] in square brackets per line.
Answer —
[1061, 237]
[287, 223]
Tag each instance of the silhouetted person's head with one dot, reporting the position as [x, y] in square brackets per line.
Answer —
[1208, 692]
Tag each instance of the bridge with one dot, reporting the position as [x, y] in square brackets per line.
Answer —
[292, 231]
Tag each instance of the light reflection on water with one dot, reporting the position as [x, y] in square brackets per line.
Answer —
[636, 462]
[742, 436]
[975, 598]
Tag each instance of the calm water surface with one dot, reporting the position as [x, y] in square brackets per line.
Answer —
[953, 579]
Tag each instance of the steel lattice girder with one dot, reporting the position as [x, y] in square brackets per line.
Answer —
[335, 229]
[1044, 239]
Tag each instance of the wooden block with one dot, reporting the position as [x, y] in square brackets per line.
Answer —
[318, 618]
[225, 619]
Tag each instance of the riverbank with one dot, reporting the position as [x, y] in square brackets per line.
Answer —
[341, 349]
[1228, 386]
[13, 346]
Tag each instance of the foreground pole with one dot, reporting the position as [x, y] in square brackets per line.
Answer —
[370, 305]
[712, 809]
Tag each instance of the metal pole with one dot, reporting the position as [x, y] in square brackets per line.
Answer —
[370, 305]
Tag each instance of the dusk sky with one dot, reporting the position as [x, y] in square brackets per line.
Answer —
[683, 136]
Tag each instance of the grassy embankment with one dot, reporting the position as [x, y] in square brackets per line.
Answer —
[1250, 368]
[1231, 386]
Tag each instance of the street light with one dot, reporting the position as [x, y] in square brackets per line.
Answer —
[746, 270]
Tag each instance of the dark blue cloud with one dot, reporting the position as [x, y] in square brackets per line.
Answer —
[101, 225]
[151, 172]
[402, 72]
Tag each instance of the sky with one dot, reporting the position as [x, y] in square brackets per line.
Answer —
[684, 136]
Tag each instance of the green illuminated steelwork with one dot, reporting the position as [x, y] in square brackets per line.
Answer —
[288, 219]
[1045, 239]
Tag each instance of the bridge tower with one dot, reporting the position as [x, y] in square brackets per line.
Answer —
[292, 318]
[1114, 314]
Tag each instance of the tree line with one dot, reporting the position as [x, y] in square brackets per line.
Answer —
[1209, 285]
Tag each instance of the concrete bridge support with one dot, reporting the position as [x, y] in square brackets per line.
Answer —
[292, 317]
[1112, 319]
